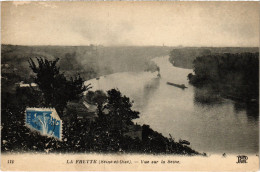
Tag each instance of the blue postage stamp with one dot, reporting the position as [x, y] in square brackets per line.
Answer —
[44, 120]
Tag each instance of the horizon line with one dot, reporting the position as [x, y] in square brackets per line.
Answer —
[179, 46]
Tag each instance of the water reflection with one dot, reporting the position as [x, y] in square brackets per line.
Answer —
[144, 96]
[209, 97]
[206, 96]
[252, 109]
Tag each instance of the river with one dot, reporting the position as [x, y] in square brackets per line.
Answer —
[211, 128]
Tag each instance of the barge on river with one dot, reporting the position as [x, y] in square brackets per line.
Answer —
[177, 85]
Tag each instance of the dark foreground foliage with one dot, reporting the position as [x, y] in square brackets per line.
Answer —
[104, 133]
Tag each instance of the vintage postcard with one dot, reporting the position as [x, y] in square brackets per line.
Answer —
[129, 86]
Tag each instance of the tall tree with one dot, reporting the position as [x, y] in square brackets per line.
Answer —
[56, 88]
[120, 112]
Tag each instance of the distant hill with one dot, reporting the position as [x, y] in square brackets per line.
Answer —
[90, 61]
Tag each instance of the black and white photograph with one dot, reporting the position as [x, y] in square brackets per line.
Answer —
[129, 81]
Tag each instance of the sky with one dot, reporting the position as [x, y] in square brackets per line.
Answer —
[130, 23]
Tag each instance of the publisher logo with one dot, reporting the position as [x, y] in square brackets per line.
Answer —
[242, 159]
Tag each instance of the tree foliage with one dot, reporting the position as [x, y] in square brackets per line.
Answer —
[99, 98]
[81, 136]
[120, 109]
[56, 88]
[233, 75]
[104, 132]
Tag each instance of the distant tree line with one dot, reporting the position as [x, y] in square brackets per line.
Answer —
[184, 57]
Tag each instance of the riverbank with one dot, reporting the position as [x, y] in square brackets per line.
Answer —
[232, 76]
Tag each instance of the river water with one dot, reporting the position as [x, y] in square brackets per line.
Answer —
[211, 128]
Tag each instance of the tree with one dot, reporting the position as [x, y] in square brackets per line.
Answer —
[120, 112]
[100, 98]
[56, 88]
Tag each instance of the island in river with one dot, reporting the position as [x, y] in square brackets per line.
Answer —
[234, 76]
